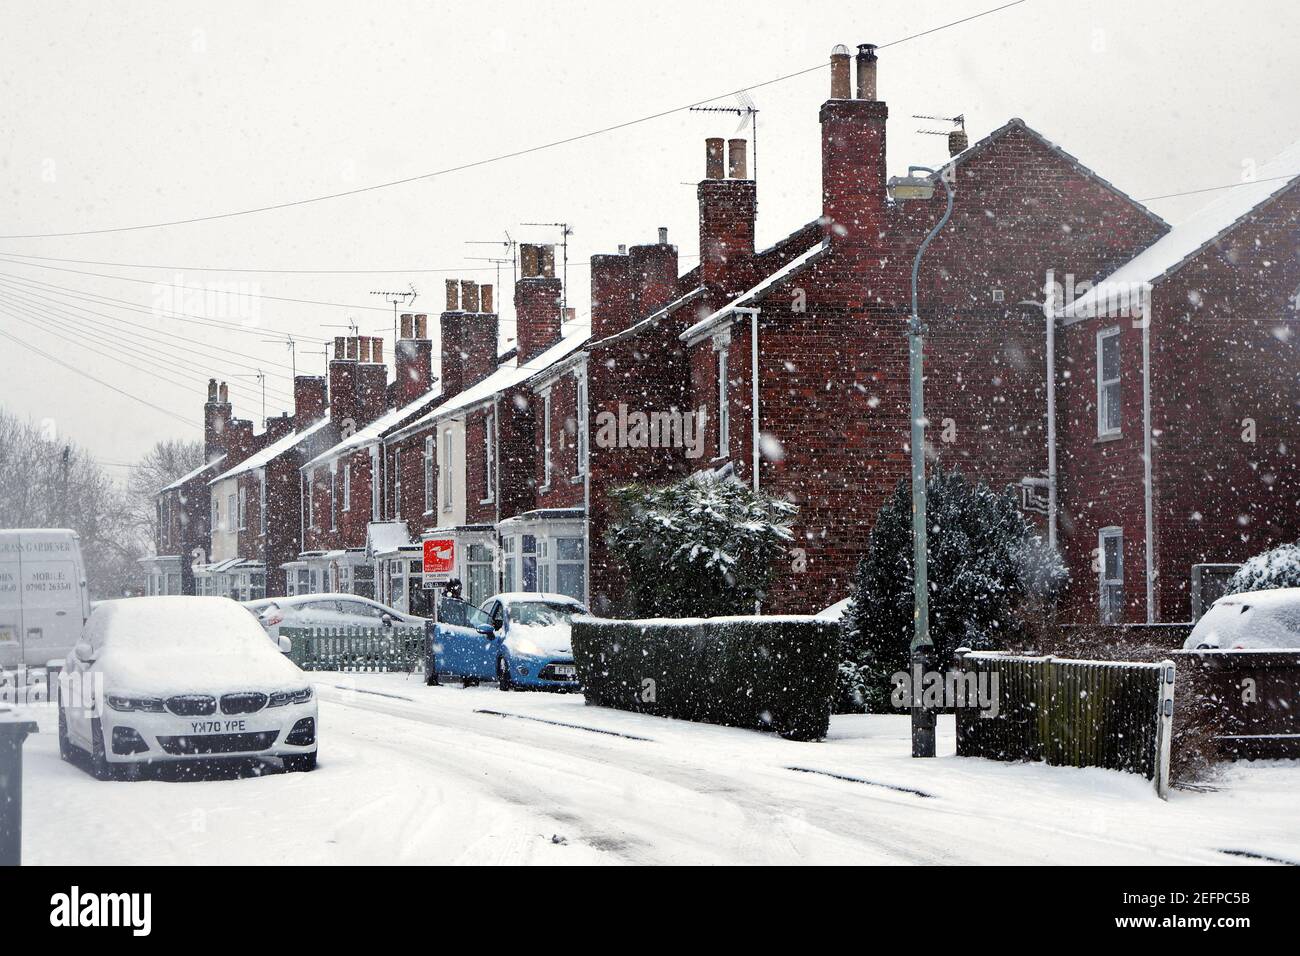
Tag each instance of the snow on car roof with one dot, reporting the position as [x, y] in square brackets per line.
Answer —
[1274, 597]
[514, 597]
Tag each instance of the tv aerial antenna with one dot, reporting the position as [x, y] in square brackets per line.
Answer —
[958, 121]
[566, 231]
[398, 298]
[509, 245]
[747, 110]
[292, 346]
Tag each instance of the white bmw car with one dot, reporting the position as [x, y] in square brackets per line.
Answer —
[182, 678]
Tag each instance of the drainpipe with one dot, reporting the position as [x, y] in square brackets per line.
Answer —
[1049, 308]
[1146, 463]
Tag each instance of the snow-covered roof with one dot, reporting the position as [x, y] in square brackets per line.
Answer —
[192, 475]
[272, 451]
[652, 318]
[373, 432]
[387, 537]
[1193, 234]
[794, 266]
[508, 375]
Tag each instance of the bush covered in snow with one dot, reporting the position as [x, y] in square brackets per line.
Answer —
[986, 566]
[765, 672]
[700, 547]
[1279, 568]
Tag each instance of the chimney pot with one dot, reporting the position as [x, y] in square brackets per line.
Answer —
[212, 390]
[527, 260]
[546, 261]
[453, 295]
[622, 248]
[339, 346]
[485, 298]
[377, 351]
[408, 325]
[421, 326]
[713, 157]
[957, 142]
[840, 72]
[866, 71]
[663, 235]
[469, 296]
[736, 165]
[223, 394]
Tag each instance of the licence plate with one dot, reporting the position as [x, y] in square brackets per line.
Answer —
[200, 727]
[566, 670]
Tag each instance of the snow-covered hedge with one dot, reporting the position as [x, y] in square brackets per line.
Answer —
[763, 672]
[1279, 568]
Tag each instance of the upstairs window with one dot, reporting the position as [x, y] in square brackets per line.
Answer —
[724, 407]
[1108, 396]
[582, 426]
[546, 440]
[489, 457]
[429, 488]
[447, 458]
[397, 483]
[347, 486]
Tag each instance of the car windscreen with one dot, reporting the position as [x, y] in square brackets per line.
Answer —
[542, 613]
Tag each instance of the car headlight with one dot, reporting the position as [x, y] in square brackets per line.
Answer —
[284, 697]
[522, 645]
[147, 705]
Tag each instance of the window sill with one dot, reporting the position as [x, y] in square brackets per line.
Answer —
[577, 479]
[487, 501]
[1104, 439]
[726, 457]
[543, 489]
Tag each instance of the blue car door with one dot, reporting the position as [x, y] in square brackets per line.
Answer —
[459, 647]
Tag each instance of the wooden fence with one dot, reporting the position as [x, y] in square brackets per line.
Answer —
[1111, 714]
[1255, 697]
[396, 648]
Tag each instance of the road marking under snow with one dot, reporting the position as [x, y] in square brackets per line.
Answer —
[1252, 855]
[377, 693]
[869, 783]
[560, 723]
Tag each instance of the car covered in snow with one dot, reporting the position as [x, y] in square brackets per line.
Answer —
[1252, 620]
[326, 610]
[535, 643]
[163, 679]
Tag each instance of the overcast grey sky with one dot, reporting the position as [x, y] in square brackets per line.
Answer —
[115, 114]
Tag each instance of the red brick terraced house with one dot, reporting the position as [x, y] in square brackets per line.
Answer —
[361, 543]
[802, 364]
[1178, 408]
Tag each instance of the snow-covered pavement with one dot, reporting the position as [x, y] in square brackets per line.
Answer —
[413, 774]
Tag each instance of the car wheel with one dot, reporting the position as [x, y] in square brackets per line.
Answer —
[504, 680]
[300, 763]
[99, 765]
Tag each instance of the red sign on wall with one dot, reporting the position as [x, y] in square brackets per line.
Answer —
[439, 556]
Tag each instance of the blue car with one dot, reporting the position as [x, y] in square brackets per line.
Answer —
[518, 639]
[534, 631]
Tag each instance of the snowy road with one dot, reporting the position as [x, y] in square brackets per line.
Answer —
[410, 774]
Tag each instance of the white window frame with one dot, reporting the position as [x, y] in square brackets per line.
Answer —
[1108, 613]
[430, 489]
[242, 505]
[397, 482]
[581, 405]
[232, 513]
[216, 512]
[489, 457]
[724, 405]
[375, 484]
[546, 441]
[347, 485]
[1103, 384]
[334, 501]
[448, 467]
[311, 498]
[261, 501]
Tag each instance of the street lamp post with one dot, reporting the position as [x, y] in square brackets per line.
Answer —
[904, 188]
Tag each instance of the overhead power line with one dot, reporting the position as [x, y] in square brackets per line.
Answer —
[211, 352]
[513, 154]
[1210, 189]
[113, 388]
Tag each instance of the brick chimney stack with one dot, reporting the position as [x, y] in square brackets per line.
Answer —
[308, 400]
[653, 271]
[468, 334]
[537, 301]
[853, 153]
[727, 211]
[413, 360]
[216, 420]
[611, 294]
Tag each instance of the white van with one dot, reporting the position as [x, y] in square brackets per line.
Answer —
[44, 600]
